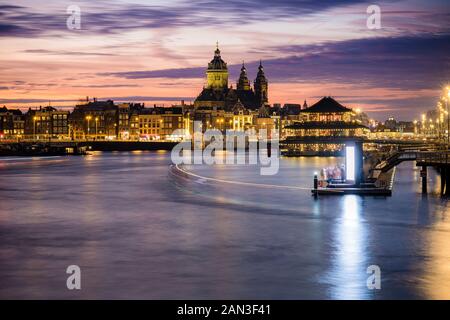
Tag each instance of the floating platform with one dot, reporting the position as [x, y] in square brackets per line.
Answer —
[380, 186]
[354, 190]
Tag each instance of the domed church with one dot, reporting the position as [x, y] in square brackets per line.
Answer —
[217, 93]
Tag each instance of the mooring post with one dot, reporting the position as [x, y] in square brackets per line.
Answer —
[423, 174]
[316, 184]
[443, 172]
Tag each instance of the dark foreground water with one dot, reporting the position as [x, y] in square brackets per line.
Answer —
[138, 231]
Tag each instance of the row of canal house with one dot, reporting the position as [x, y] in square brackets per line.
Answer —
[12, 123]
[92, 120]
[104, 120]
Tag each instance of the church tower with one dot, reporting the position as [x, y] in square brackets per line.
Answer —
[261, 86]
[243, 82]
[217, 72]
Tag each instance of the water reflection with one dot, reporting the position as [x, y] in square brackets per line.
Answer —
[131, 225]
[349, 262]
[436, 276]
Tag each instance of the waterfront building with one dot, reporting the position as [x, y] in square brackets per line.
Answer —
[60, 124]
[242, 118]
[123, 121]
[94, 120]
[12, 123]
[46, 123]
[218, 94]
[289, 114]
[104, 120]
[127, 123]
[172, 119]
[134, 125]
[150, 123]
[212, 118]
[267, 119]
[160, 123]
[323, 120]
[393, 129]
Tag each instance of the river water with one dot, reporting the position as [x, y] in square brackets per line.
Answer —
[139, 229]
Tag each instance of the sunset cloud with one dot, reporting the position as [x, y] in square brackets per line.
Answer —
[158, 51]
[381, 62]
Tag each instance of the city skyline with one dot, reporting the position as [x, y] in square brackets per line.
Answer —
[157, 53]
[202, 154]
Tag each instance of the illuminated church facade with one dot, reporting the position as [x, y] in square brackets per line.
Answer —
[219, 95]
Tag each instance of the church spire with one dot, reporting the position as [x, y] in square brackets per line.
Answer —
[217, 52]
[243, 82]
[217, 72]
[261, 69]
[217, 62]
[261, 85]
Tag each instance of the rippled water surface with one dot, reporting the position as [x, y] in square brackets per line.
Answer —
[139, 229]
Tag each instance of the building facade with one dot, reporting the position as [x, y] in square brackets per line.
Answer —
[325, 121]
[46, 123]
[12, 123]
[94, 120]
[218, 94]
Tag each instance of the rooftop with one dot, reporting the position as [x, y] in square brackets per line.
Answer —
[326, 105]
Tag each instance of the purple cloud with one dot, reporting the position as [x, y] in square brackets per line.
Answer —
[116, 16]
[407, 63]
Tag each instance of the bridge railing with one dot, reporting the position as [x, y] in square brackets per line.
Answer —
[442, 157]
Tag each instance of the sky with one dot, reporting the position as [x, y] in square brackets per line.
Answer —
[157, 51]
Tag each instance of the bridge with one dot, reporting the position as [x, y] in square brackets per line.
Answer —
[422, 158]
[439, 159]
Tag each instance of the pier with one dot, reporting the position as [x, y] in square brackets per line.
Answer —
[381, 176]
[50, 148]
[438, 159]
[42, 149]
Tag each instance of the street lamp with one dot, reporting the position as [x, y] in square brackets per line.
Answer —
[424, 119]
[88, 118]
[96, 121]
[34, 127]
[440, 120]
